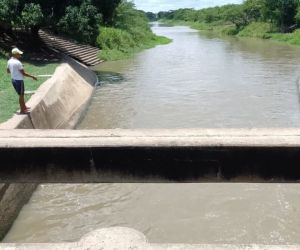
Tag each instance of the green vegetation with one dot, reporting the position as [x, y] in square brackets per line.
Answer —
[257, 29]
[116, 26]
[8, 97]
[79, 19]
[130, 34]
[268, 19]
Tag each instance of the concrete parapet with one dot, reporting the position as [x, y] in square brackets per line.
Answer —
[121, 238]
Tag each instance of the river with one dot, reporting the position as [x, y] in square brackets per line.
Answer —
[198, 80]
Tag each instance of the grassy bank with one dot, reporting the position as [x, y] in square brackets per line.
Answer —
[221, 29]
[256, 30]
[119, 44]
[8, 98]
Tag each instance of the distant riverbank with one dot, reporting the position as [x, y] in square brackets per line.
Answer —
[255, 29]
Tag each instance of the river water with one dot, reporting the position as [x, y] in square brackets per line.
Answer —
[197, 81]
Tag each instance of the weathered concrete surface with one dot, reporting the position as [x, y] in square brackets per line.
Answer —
[199, 155]
[121, 238]
[150, 138]
[12, 199]
[59, 102]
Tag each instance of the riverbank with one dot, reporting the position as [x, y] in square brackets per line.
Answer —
[8, 98]
[254, 30]
[119, 45]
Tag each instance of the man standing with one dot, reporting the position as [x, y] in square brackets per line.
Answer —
[15, 68]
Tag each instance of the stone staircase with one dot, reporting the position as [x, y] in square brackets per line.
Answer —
[86, 54]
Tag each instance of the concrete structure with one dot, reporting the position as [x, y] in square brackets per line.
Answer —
[121, 238]
[58, 103]
[199, 155]
[12, 199]
[84, 53]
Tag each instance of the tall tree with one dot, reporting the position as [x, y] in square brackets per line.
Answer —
[107, 9]
[280, 12]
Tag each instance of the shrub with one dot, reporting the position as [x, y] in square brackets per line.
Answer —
[117, 39]
[257, 29]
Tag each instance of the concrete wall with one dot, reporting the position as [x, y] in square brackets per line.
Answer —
[58, 103]
[121, 238]
[13, 199]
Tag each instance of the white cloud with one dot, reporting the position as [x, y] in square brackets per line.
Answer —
[163, 5]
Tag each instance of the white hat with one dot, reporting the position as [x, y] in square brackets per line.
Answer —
[16, 51]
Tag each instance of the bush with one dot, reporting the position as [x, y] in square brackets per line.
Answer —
[115, 39]
[131, 33]
[291, 38]
[257, 29]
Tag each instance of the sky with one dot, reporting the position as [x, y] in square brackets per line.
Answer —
[163, 5]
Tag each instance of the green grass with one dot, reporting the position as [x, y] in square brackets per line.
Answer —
[8, 98]
[117, 44]
[217, 28]
[257, 29]
[290, 38]
[116, 54]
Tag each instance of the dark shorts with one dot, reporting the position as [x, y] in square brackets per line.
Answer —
[19, 86]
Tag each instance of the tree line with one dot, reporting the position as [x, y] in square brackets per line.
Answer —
[284, 15]
[78, 18]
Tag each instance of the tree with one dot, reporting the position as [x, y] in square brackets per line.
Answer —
[8, 13]
[107, 8]
[81, 23]
[252, 9]
[280, 12]
[236, 15]
[32, 17]
[151, 16]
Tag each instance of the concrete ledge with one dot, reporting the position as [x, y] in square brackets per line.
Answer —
[150, 138]
[121, 238]
[199, 155]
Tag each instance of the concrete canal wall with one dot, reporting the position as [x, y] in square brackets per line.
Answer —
[57, 104]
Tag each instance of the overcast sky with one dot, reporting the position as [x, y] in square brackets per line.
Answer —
[158, 5]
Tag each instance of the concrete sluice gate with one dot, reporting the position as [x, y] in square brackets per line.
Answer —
[199, 155]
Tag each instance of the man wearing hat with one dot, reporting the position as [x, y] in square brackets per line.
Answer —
[15, 68]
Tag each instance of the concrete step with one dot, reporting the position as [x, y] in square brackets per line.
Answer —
[88, 56]
[85, 53]
[96, 62]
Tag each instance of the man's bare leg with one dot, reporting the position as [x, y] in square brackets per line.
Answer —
[23, 108]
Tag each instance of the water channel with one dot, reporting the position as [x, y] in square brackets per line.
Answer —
[199, 80]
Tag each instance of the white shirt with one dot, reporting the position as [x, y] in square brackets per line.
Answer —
[14, 66]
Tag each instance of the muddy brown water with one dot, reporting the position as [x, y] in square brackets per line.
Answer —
[199, 80]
